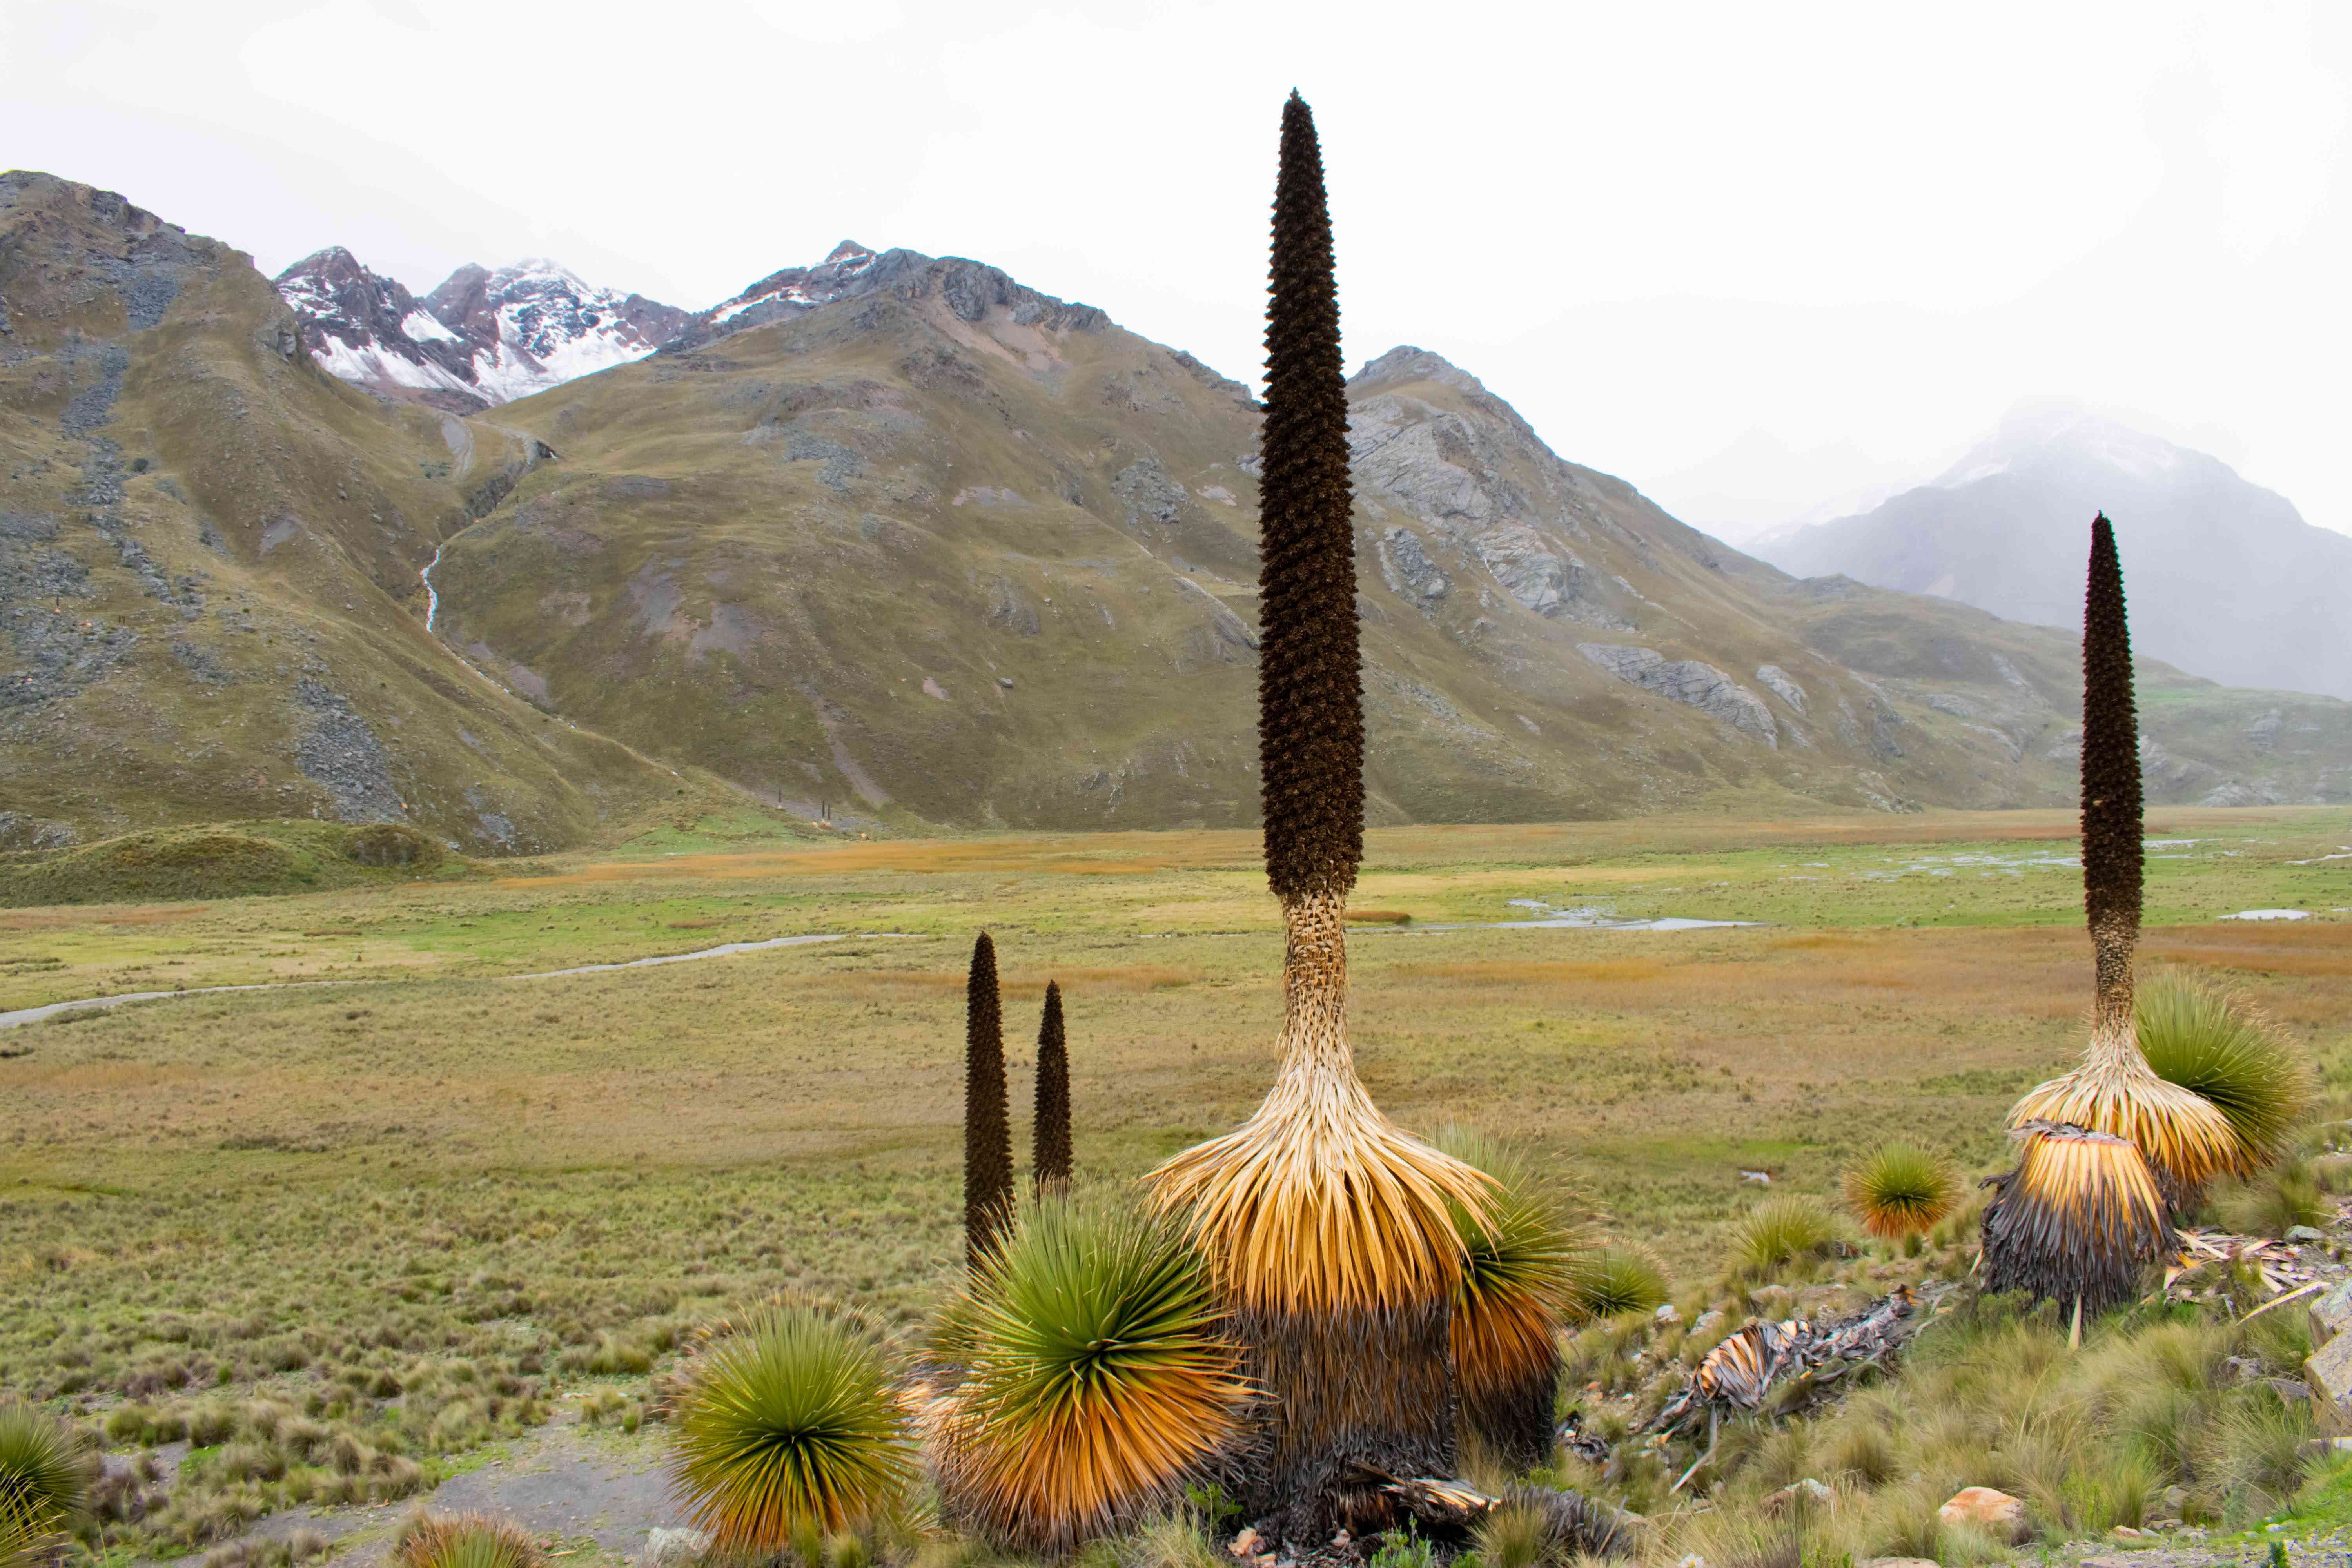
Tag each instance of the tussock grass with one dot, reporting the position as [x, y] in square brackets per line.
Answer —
[2197, 1036]
[1781, 1231]
[788, 1424]
[234, 1186]
[1901, 1191]
[1095, 1377]
[465, 1541]
[1990, 1395]
[1616, 1282]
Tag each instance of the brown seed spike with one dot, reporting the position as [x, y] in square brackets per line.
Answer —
[987, 1119]
[1052, 1124]
[2112, 853]
[1310, 686]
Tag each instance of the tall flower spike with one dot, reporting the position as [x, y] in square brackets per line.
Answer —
[1051, 1134]
[987, 1119]
[2185, 1138]
[2113, 858]
[1328, 1230]
[1310, 723]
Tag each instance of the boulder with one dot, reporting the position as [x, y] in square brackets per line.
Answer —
[2331, 1314]
[2305, 1236]
[2327, 1371]
[1995, 1512]
[672, 1548]
[1806, 1493]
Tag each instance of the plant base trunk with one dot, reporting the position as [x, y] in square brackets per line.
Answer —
[1515, 1419]
[1344, 1391]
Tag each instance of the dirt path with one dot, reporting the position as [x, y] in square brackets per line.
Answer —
[595, 1493]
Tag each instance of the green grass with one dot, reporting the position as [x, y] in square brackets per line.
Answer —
[787, 1425]
[379, 1204]
[223, 862]
[1781, 1231]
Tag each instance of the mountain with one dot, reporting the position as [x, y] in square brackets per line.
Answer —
[2226, 579]
[481, 338]
[209, 604]
[949, 545]
[936, 548]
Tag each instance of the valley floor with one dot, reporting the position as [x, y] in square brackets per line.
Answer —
[421, 1176]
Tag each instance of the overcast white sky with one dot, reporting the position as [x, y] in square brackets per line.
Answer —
[1749, 256]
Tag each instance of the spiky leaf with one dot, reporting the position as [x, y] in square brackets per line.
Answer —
[1517, 1283]
[2079, 1219]
[42, 1479]
[466, 1541]
[1899, 1190]
[788, 1424]
[1098, 1375]
[2199, 1039]
[1616, 1280]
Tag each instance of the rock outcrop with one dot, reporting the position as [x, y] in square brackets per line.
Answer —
[1689, 682]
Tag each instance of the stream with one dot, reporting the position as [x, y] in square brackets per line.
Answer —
[51, 1010]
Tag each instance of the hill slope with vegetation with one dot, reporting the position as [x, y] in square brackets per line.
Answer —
[208, 563]
[942, 551]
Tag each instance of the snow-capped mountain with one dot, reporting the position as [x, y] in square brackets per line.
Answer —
[537, 325]
[481, 338]
[2226, 579]
[850, 268]
[371, 330]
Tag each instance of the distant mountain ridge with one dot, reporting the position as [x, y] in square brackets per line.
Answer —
[2226, 579]
[484, 337]
[935, 548]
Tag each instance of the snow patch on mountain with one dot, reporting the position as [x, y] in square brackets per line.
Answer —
[787, 293]
[2032, 434]
[482, 338]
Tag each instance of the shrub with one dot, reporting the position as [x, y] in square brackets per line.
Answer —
[1097, 1381]
[2201, 1039]
[2276, 1201]
[464, 1541]
[1616, 1280]
[1517, 1286]
[1778, 1231]
[43, 1482]
[392, 844]
[1901, 1191]
[787, 1423]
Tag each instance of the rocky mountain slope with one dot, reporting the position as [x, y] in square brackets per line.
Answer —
[2226, 579]
[931, 547]
[955, 546]
[209, 605]
[481, 338]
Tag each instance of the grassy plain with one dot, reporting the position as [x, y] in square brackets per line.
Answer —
[427, 1177]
